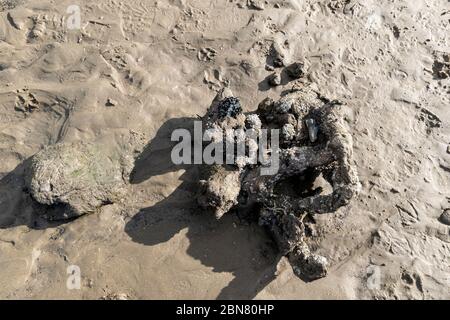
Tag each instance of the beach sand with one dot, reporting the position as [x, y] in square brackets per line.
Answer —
[136, 70]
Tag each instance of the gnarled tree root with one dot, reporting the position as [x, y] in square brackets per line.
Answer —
[314, 142]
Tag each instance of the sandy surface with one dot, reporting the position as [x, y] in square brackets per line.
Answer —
[384, 59]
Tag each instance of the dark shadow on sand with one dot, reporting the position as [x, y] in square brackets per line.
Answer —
[229, 245]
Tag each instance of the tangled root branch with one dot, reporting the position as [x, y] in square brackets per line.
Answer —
[313, 142]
